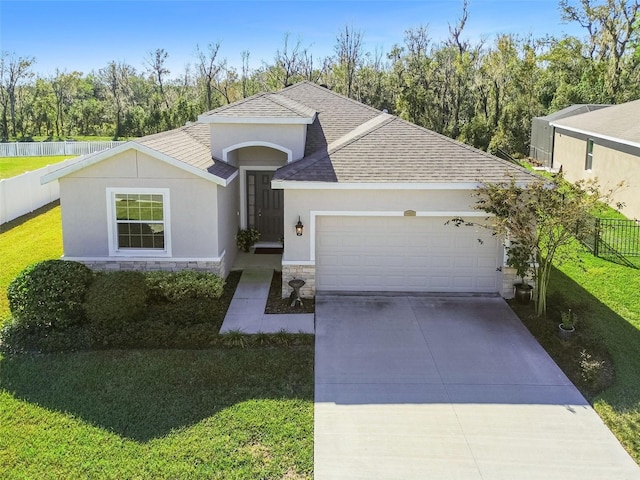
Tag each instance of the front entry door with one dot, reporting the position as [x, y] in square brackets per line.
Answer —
[265, 210]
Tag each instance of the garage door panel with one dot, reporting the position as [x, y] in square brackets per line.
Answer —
[404, 254]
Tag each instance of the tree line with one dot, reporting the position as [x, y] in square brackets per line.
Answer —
[482, 92]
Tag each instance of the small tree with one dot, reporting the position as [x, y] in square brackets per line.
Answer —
[543, 217]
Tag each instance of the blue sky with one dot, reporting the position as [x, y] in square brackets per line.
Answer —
[86, 35]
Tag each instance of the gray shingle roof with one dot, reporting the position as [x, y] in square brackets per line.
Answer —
[616, 122]
[394, 150]
[262, 105]
[347, 142]
[337, 115]
[576, 109]
[190, 144]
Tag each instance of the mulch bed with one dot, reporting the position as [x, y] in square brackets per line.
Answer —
[277, 304]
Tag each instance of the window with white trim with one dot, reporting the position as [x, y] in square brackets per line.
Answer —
[588, 164]
[139, 222]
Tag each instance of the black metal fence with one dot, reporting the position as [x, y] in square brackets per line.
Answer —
[617, 238]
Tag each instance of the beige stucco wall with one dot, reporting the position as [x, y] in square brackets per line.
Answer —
[193, 205]
[302, 202]
[259, 156]
[291, 137]
[609, 165]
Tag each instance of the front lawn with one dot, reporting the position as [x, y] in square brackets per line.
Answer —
[214, 414]
[605, 297]
[220, 413]
[12, 166]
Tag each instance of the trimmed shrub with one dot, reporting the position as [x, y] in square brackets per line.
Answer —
[49, 294]
[114, 300]
[15, 337]
[186, 284]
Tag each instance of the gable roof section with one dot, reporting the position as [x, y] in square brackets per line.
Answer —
[618, 123]
[187, 148]
[395, 151]
[261, 108]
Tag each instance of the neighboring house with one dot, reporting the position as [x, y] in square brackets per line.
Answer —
[603, 144]
[373, 192]
[541, 146]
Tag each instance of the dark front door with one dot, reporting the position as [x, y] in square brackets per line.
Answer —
[265, 210]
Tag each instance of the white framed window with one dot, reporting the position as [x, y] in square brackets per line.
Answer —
[138, 222]
[588, 164]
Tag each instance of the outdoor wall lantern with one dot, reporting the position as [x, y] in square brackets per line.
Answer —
[299, 227]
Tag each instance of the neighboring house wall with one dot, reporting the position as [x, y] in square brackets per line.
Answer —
[298, 261]
[611, 164]
[192, 206]
[227, 137]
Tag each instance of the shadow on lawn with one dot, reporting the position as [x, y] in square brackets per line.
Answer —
[145, 394]
[5, 227]
[600, 332]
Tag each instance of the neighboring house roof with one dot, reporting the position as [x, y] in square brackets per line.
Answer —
[261, 108]
[572, 110]
[618, 123]
[388, 149]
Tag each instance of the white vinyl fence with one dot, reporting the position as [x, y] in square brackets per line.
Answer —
[46, 149]
[23, 194]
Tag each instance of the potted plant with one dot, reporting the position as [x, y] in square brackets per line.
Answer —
[568, 325]
[246, 238]
[519, 257]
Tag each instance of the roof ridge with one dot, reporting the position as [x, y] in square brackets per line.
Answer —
[286, 103]
[360, 131]
[327, 89]
[187, 129]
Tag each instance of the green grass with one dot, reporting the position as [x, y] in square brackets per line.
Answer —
[214, 414]
[605, 297]
[12, 166]
[30, 238]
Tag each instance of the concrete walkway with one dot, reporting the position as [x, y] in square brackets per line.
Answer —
[246, 311]
[448, 388]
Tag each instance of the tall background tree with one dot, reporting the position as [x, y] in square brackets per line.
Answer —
[483, 92]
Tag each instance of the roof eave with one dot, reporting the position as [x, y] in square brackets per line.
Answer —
[589, 133]
[314, 185]
[223, 119]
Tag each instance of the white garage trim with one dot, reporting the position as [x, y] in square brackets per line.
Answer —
[367, 213]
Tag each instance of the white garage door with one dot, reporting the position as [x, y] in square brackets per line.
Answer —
[415, 254]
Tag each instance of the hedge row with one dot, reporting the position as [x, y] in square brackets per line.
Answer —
[63, 305]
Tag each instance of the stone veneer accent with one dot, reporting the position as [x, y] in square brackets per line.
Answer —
[303, 272]
[150, 265]
[308, 274]
[509, 279]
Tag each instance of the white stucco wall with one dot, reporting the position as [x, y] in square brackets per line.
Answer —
[193, 205]
[291, 137]
[610, 166]
[303, 202]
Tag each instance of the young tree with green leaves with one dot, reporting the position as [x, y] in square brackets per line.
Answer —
[544, 217]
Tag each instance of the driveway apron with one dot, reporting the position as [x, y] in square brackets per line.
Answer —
[411, 387]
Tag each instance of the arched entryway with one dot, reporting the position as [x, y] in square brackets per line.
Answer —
[261, 207]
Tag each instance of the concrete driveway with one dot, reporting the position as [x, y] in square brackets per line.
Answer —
[448, 388]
